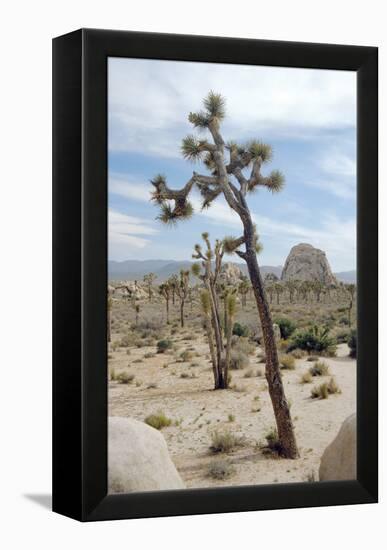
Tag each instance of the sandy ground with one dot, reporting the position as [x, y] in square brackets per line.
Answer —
[198, 411]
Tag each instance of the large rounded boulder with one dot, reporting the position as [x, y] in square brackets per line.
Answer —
[338, 461]
[138, 458]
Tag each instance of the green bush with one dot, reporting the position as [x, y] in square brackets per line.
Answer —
[220, 469]
[223, 442]
[286, 326]
[124, 378]
[158, 421]
[163, 345]
[240, 330]
[352, 343]
[314, 339]
[287, 362]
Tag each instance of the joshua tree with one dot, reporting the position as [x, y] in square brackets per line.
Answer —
[229, 179]
[149, 278]
[243, 290]
[208, 273]
[137, 309]
[270, 291]
[165, 291]
[231, 307]
[291, 287]
[182, 290]
[350, 291]
[318, 288]
[109, 318]
[173, 282]
[278, 289]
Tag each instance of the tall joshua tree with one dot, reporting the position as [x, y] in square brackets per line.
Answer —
[229, 178]
[149, 279]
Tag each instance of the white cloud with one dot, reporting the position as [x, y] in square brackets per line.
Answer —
[149, 101]
[129, 187]
[123, 234]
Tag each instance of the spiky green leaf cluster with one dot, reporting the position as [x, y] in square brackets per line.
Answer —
[275, 182]
[258, 149]
[171, 215]
[215, 105]
[196, 269]
[231, 304]
[205, 301]
[229, 245]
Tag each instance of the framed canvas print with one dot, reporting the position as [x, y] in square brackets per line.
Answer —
[215, 275]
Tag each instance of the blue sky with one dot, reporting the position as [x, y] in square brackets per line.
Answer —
[309, 118]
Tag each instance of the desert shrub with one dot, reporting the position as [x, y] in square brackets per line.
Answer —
[287, 362]
[151, 386]
[315, 339]
[273, 445]
[320, 392]
[324, 390]
[231, 418]
[163, 345]
[223, 442]
[186, 356]
[113, 374]
[220, 469]
[125, 378]
[312, 358]
[238, 360]
[319, 369]
[306, 378]
[158, 420]
[149, 355]
[297, 353]
[352, 343]
[286, 326]
[240, 330]
[343, 321]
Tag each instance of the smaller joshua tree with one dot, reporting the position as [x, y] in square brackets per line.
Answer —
[165, 290]
[208, 272]
[149, 279]
[350, 293]
[278, 289]
[291, 287]
[173, 283]
[182, 290]
[244, 288]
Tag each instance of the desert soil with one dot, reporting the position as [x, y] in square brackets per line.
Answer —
[183, 391]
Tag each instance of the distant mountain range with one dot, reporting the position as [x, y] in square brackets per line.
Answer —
[136, 269]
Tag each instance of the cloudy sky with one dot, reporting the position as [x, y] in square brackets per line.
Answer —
[309, 118]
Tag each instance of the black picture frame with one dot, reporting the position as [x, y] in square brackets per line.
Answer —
[80, 273]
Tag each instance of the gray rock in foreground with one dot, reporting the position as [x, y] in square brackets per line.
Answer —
[138, 458]
[338, 461]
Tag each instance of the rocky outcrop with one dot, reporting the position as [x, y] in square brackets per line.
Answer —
[131, 289]
[230, 274]
[307, 263]
[339, 458]
[270, 278]
[138, 458]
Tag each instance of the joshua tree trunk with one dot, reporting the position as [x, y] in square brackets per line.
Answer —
[182, 313]
[273, 376]
[212, 351]
[228, 350]
[167, 307]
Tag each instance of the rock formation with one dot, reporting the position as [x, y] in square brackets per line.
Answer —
[138, 458]
[339, 458]
[307, 263]
[230, 274]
